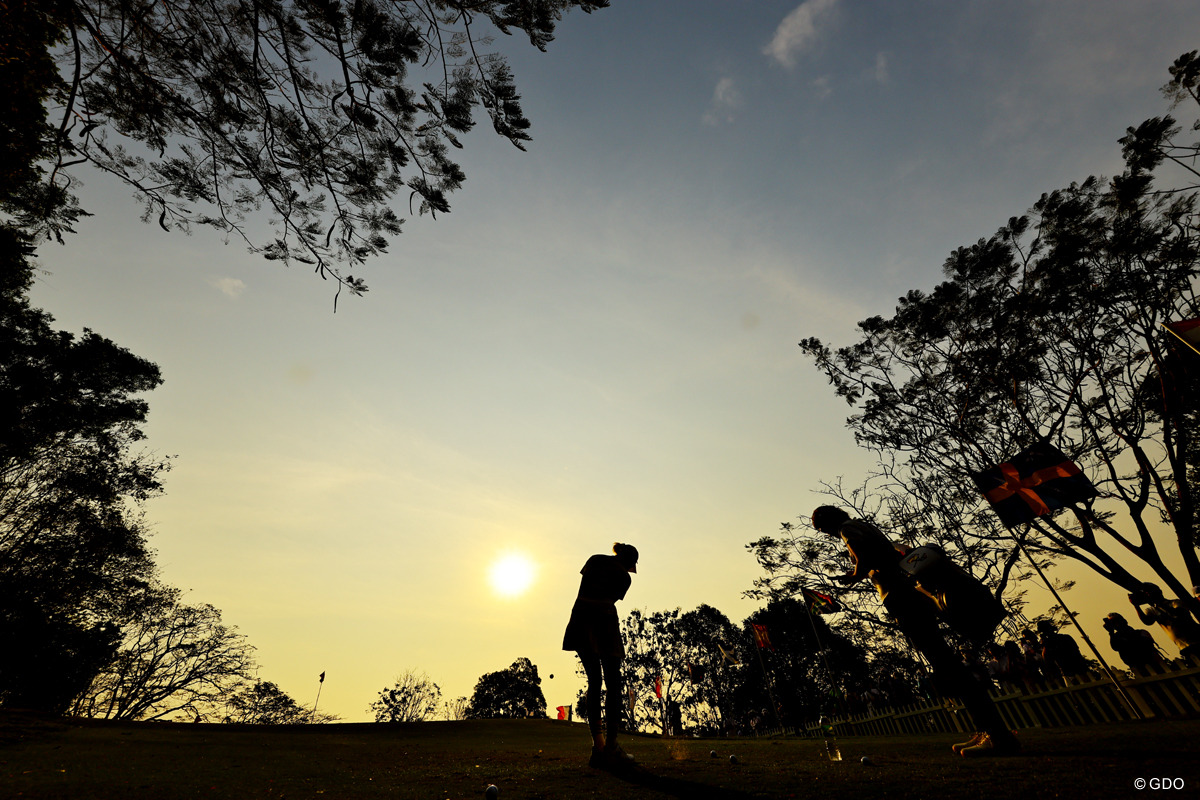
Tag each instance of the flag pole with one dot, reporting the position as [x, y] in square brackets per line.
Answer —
[320, 683]
[770, 690]
[1107, 670]
[824, 657]
[1191, 346]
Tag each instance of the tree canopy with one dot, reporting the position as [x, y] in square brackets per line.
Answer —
[687, 657]
[1052, 330]
[514, 692]
[321, 114]
[173, 657]
[722, 683]
[73, 546]
[412, 698]
[264, 703]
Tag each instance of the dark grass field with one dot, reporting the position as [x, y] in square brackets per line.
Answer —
[43, 758]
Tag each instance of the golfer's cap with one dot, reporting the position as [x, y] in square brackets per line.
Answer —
[628, 555]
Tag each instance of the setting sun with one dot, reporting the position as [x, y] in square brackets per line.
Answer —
[511, 575]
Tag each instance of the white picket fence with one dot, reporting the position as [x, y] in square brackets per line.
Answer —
[1153, 693]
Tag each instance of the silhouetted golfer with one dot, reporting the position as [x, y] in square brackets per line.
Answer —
[595, 635]
[878, 559]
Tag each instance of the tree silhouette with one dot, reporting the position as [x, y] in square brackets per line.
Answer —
[654, 653]
[707, 635]
[412, 698]
[512, 692]
[813, 667]
[680, 652]
[264, 703]
[1051, 330]
[72, 482]
[319, 113]
[173, 658]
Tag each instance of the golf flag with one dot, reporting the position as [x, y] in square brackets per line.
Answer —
[1187, 331]
[562, 712]
[728, 659]
[322, 678]
[658, 686]
[1035, 482]
[820, 603]
[760, 637]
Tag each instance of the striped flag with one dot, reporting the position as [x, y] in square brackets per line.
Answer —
[761, 638]
[820, 603]
[728, 659]
[562, 712]
[1187, 331]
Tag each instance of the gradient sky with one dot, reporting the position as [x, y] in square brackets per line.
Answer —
[599, 342]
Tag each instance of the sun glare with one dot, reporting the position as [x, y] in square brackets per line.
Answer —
[512, 575]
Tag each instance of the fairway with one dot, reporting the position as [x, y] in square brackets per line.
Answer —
[42, 758]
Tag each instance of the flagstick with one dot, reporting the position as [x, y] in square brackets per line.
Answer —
[320, 684]
[1180, 338]
[770, 692]
[1078, 627]
[824, 657]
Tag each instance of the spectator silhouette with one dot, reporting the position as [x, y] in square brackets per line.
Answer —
[1031, 648]
[675, 718]
[1171, 615]
[1017, 671]
[997, 664]
[1136, 648]
[1060, 653]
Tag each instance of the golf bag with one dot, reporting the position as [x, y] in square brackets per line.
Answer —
[966, 605]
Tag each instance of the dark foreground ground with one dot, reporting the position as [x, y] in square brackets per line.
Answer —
[42, 758]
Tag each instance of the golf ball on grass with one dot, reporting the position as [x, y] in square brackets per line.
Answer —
[493, 791]
[733, 759]
[866, 761]
[712, 753]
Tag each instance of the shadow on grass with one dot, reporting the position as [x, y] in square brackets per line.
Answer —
[675, 787]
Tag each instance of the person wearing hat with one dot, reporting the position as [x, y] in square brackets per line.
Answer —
[1135, 647]
[594, 633]
[878, 559]
[1060, 653]
[1171, 615]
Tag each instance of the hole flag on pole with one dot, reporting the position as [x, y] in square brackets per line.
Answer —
[1038, 480]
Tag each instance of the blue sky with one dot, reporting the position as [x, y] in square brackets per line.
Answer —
[599, 342]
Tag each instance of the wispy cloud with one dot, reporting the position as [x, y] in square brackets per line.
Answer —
[881, 73]
[231, 287]
[300, 374]
[797, 31]
[725, 100]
